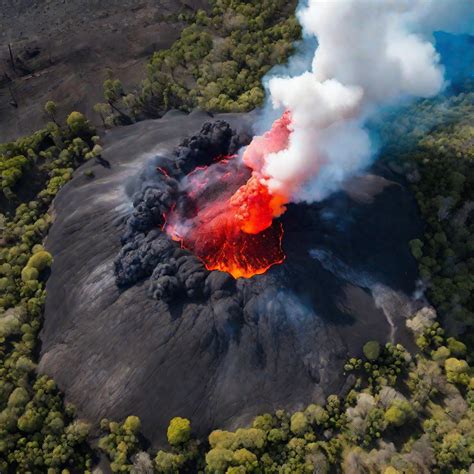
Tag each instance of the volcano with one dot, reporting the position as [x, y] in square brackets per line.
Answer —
[145, 321]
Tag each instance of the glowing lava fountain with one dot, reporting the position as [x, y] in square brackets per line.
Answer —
[230, 226]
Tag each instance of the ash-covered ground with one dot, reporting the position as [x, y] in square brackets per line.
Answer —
[62, 50]
[136, 325]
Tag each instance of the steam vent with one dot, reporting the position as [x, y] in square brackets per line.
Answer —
[138, 262]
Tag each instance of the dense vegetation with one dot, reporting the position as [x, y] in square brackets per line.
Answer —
[433, 142]
[217, 64]
[38, 432]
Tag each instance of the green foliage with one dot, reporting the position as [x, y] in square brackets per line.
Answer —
[217, 64]
[179, 431]
[78, 124]
[457, 371]
[456, 347]
[29, 273]
[121, 443]
[399, 413]
[431, 338]
[425, 413]
[431, 142]
[372, 350]
[441, 354]
[184, 450]
[113, 90]
[299, 424]
[416, 247]
[169, 462]
[12, 169]
[132, 424]
[39, 261]
[51, 109]
[391, 362]
[38, 432]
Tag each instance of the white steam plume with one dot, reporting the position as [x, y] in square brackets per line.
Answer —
[370, 53]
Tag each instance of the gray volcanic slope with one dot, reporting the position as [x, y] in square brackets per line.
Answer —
[221, 360]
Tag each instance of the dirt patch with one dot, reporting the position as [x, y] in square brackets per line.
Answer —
[62, 49]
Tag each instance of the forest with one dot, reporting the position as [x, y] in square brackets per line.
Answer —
[217, 64]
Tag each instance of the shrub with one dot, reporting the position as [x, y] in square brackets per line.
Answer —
[457, 348]
[132, 424]
[457, 371]
[222, 439]
[219, 459]
[77, 123]
[18, 398]
[179, 431]
[50, 109]
[372, 350]
[29, 273]
[169, 462]
[299, 424]
[40, 260]
[40, 435]
[441, 354]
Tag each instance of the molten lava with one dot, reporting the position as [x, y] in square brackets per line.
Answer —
[255, 207]
[230, 226]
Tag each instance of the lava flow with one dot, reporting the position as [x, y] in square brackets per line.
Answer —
[230, 226]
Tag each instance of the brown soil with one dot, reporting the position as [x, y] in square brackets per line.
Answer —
[62, 49]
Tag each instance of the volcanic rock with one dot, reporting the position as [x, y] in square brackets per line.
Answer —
[136, 325]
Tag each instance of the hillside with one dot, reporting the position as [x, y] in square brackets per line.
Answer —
[62, 50]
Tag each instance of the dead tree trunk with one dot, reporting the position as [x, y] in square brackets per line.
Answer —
[12, 60]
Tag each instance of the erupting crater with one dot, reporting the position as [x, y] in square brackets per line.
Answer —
[229, 225]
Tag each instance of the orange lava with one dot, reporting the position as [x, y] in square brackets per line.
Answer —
[234, 231]
[219, 242]
[254, 206]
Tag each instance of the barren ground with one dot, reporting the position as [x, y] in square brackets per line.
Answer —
[62, 49]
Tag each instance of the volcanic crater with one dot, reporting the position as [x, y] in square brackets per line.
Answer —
[134, 317]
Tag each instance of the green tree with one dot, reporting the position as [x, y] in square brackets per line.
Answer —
[77, 123]
[179, 431]
[51, 109]
[299, 424]
[372, 350]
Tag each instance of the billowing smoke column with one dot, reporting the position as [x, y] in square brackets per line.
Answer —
[370, 53]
